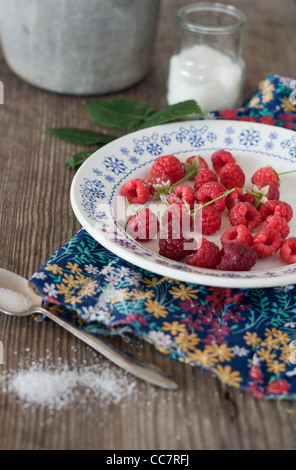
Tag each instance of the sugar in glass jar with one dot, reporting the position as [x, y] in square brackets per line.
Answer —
[208, 66]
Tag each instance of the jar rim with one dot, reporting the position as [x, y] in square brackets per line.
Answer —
[212, 7]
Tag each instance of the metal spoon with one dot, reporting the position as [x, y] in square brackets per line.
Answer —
[142, 370]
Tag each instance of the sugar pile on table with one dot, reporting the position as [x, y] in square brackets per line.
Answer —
[63, 386]
[14, 301]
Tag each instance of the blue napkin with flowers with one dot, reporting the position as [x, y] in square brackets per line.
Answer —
[245, 337]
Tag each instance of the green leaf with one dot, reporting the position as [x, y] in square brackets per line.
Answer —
[81, 136]
[78, 158]
[117, 112]
[170, 113]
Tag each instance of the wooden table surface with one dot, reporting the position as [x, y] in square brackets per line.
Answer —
[36, 219]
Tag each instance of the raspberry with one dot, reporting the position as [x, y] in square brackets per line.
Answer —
[207, 220]
[278, 223]
[207, 255]
[273, 191]
[232, 176]
[201, 161]
[157, 183]
[204, 176]
[237, 256]
[220, 158]
[280, 208]
[202, 164]
[136, 191]
[209, 191]
[265, 174]
[175, 247]
[168, 165]
[267, 242]
[238, 233]
[288, 251]
[244, 213]
[178, 216]
[238, 196]
[181, 194]
[144, 225]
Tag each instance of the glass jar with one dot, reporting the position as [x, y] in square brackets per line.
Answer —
[208, 66]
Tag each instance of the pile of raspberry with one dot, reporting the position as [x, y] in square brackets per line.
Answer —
[197, 197]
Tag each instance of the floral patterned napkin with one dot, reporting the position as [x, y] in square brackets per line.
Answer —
[243, 336]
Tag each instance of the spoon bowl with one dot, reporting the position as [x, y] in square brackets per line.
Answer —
[142, 370]
[16, 283]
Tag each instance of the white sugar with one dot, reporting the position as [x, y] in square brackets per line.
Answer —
[62, 387]
[14, 301]
[42, 387]
[205, 75]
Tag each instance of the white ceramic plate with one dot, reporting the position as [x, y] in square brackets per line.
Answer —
[96, 186]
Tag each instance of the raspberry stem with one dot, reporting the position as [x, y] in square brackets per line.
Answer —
[213, 200]
[258, 194]
[130, 206]
[191, 172]
[283, 173]
[286, 172]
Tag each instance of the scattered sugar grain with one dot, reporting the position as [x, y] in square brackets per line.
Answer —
[14, 301]
[60, 387]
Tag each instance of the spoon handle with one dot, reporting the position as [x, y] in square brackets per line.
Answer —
[142, 370]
